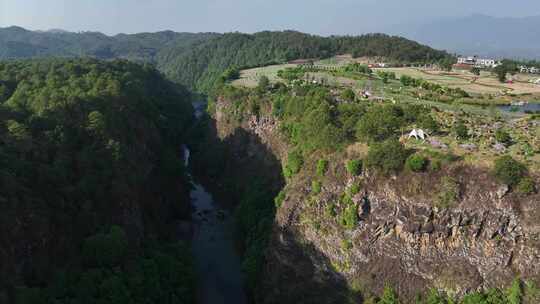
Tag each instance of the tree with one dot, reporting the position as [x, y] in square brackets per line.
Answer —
[501, 71]
[475, 71]
[348, 95]
[387, 156]
[264, 82]
[447, 63]
[461, 130]
[379, 123]
[96, 123]
[427, 122]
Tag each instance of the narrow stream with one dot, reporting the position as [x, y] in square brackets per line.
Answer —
[218, 264]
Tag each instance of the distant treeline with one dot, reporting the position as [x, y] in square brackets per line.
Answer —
[197, 60]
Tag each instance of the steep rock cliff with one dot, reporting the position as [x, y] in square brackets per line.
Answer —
[403, 237]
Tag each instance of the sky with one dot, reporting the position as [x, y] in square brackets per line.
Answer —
[323, 17]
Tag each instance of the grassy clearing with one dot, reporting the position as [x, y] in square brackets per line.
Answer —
[250, 78]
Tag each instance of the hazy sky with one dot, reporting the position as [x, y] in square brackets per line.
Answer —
[314, 16]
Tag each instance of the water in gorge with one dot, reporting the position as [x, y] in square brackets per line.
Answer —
[218, 264]
[529, 107]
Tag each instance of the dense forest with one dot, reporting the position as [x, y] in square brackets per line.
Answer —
[91, 183]
[198, 60]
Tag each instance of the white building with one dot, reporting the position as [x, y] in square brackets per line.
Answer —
[486, 62]
[478, 62]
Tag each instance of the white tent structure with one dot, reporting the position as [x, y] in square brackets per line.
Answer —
[418, 134]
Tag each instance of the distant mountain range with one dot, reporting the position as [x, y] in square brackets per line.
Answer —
[479, 35]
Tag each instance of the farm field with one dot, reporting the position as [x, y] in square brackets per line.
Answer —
[485, 84]
[250, 77]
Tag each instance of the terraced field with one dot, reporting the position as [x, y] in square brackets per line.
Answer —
[484, 84]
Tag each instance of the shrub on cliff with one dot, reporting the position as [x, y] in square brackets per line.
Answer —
[461, 130]
[526, 186]
[509, 170]
[388, 296]
[349, 217]
[416, 163]
[316, 187]
[503, 137]
[354, 167]
[294, 164]
[387, 156]
[278, 200]
[322, 167]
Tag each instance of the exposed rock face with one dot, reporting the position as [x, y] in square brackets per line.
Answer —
[403, 238]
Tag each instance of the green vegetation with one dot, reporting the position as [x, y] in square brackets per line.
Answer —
[82, 142]
[160, 274]
[380, 123]
[354, 189]
[264, 83]
[503, 137]
[348, 95]
[322, 167]
[526, 186]
[358, 68]
[428, 124]
[387, 156]
[291, 74]
[388, 296]
[509, 171]
[254, 218]
[386, 76]
[278, 201]
[416, 163]
[517, 293]
[349, 216]
[461, 131]
[316, 187]
[294, 164]
[450, 93]
[354, 167]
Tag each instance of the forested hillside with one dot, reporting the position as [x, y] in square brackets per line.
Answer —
[91, 183]
[197, 60]
[201, 67]
[18, 43]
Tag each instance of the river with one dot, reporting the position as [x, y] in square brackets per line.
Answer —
[217, 262]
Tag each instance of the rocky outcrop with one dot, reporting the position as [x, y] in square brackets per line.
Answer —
[404, 238]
